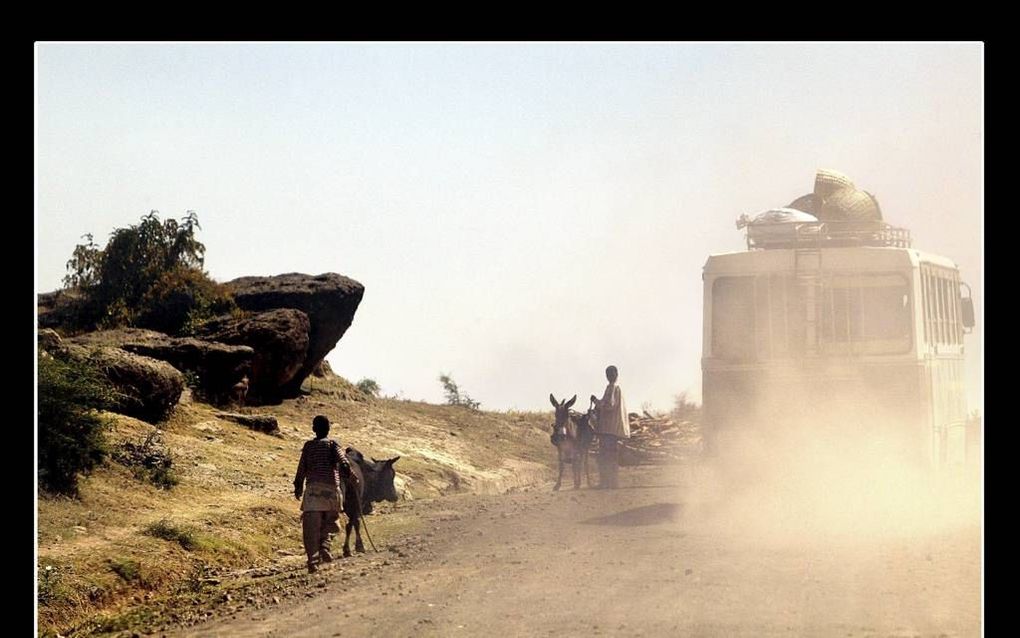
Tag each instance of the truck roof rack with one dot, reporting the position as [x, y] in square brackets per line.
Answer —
[828, 234]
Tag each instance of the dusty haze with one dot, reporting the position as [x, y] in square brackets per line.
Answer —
[522, 214]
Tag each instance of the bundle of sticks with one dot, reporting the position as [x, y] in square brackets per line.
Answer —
[659, 440]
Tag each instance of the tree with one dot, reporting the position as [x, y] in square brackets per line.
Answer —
[149, 275]
[454, 395]
[369, 387]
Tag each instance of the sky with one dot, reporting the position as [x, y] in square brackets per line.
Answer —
[521, 214]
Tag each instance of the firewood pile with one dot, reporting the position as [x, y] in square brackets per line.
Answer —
[656, 440]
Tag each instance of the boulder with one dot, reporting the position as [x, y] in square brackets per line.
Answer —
[330, 301]
[258, 422]
[48, 339]
[216, 366]
[148, 389]
[280, 342]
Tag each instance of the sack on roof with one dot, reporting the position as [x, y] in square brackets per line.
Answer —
[782, 216]
[776, 216]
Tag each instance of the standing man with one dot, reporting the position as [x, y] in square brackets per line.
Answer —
[612, 426]
[322, 464]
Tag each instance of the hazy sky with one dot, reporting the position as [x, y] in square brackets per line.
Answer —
[521, 214]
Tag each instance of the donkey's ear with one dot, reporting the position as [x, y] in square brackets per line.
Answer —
[571, 401]
[373, 459]
[393, 460]
[553, 400]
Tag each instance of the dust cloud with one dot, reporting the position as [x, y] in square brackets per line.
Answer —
[825, 478]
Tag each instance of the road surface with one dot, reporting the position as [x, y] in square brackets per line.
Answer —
[654, 558]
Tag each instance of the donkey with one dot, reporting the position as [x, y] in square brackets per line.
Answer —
[375, 484]
[239, 391]
[572, 435]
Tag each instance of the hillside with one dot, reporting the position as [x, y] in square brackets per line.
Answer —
[128, 550]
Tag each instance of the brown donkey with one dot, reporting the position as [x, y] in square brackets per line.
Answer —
[572, 435]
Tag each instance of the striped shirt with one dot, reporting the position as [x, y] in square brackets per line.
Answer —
[322, 461]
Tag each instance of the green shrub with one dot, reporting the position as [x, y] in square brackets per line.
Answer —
[369, 387]
[169, 532]
[149, 275]
[49, 581]
[127, 569]
[181, 300]
[71, 432]
[150, 460]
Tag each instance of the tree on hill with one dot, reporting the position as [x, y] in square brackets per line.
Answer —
[148, 275]
[369, 387]
[453, 394]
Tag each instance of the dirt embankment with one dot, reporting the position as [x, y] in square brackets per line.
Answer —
[128, 554]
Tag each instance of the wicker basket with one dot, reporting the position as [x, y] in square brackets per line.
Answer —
[805, 203]
[828, 182]
[850, 204]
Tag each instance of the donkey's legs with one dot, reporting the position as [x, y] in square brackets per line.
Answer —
[576, 467]
[559, 479]
[347, 539]
[587, 471]
[358, 545]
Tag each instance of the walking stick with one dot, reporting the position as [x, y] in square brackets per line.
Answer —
[370, 542]
[361, 517]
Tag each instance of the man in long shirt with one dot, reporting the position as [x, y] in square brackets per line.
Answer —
[322, 465]
[613, 425]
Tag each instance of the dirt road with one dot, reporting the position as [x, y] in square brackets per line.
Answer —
[649, 559]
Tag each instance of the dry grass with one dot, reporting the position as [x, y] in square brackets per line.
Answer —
[127, 545]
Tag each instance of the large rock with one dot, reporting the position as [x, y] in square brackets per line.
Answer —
[48, 339]
[56, 309]
[216, 366]
[280, 341]
[330, 301]
[148, 389]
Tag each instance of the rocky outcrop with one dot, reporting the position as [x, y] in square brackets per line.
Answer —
[294, 321]
[147, 389]
[329, 300]
[280, 341]
[215, 366]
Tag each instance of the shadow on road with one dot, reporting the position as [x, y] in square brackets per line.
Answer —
[650, 487]
[644, 515]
